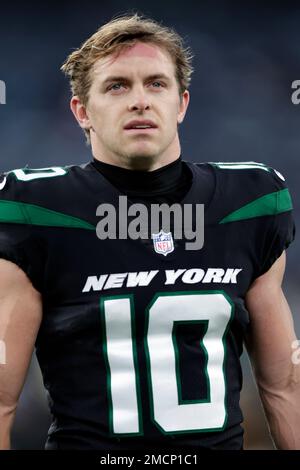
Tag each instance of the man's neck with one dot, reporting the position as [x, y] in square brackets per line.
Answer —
[167, 184]
[139, 163]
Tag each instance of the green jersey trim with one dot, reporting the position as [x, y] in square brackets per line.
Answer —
[24, 213]
[270, 204]
[241, 165]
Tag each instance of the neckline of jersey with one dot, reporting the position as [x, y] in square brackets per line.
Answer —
[188, 198]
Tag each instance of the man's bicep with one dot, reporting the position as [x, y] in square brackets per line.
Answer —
[271, 330]
[20, 318]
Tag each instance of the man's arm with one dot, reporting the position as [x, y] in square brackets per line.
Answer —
[20, 318]
[268, 342]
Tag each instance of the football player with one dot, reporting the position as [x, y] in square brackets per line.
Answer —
[139, 340]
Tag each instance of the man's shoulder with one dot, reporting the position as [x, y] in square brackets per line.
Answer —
[247, 178]
[251, 189]
[246, 190]
[254, 172]
[22, 183]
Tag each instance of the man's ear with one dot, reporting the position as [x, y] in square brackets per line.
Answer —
[80, 113]
[183, 105]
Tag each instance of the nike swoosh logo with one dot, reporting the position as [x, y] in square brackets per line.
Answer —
[3, 183]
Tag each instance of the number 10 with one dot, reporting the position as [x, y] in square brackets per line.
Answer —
[118, 317]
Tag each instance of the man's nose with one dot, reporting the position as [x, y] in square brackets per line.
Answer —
[139, 100]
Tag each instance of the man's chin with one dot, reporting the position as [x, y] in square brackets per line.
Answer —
[142, 155]
[142, 152]
[140, 160]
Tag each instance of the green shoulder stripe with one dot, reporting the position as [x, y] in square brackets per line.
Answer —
[270, 204]
[23, 213]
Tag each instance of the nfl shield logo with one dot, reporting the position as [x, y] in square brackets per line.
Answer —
[163, 242]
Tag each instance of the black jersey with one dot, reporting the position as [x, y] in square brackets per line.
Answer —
[140, 341]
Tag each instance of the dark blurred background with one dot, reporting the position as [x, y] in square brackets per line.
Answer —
[247, 55]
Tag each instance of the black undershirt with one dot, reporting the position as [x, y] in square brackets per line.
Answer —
[168, 184]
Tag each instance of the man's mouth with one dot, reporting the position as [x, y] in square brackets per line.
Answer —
[140, 126]
[141, 130]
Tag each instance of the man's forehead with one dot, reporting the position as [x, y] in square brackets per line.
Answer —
[139, 50]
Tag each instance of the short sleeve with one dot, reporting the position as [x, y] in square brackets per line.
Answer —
[281, 227]
[18, 242]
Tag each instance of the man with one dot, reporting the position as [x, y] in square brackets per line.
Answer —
[139, 340]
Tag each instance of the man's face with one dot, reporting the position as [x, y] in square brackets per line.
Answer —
[133, 89]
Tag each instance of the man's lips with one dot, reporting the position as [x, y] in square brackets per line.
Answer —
[137, 124]
[147, 130]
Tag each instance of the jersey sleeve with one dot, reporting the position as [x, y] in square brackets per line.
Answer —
[281, 226]
[18, 242]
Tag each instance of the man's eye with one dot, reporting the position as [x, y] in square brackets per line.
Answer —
[157, 83]
[115, 86]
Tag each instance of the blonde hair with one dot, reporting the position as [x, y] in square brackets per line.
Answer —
[111, 38]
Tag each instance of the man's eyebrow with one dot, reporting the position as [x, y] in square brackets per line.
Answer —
[120, 78]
